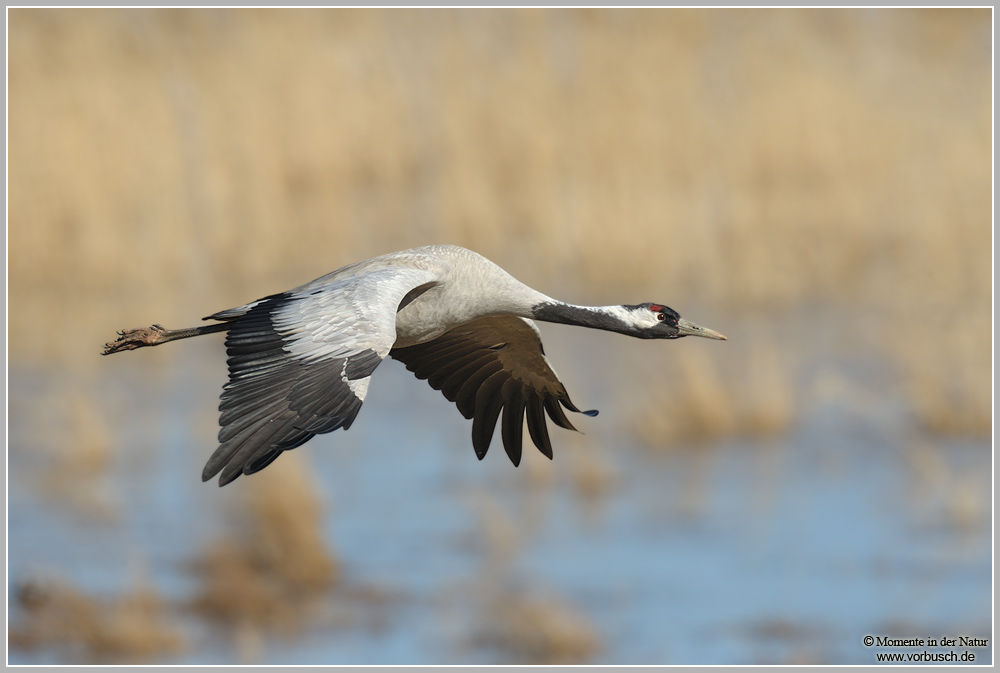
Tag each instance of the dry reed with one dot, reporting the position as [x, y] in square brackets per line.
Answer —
[593, 475]
[697, 399]
[65, 446]
[216, 151]
[943, 493]
[947, 370]
[130, 628]
[745, 159]
[516, 624]
[530, 629]
[273, 571]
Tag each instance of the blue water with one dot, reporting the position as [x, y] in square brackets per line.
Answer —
[767, 551]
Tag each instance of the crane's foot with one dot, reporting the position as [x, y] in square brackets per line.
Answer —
[130, 339]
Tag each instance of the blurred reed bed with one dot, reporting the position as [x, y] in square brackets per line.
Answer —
[65, 445]
[168, 163]
[271, 571]
[748, 391]
[511, 620]
[136, 626]
[269, 574]
[944, 493]
[523, 627]
[947, 365]
[748, 158]
[786, 643]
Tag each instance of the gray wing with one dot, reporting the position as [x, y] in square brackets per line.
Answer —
[490, 365]
[300, 362]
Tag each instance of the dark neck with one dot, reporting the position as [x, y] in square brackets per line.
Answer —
[610, 318]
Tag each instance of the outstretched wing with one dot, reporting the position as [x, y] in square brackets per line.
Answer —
[300, 362]
[492, 364]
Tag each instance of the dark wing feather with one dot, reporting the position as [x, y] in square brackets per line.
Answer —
[493, 365]
[279, 401]
[299, 363]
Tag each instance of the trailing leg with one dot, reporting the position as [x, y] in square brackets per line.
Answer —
[154, 335]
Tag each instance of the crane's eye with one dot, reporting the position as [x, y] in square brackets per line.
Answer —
[661, 317]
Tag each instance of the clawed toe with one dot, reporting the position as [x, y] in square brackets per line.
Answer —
[130, 339]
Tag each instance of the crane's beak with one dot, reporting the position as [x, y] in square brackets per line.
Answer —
[688, 328]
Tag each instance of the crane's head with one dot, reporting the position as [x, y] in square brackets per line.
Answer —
[656, 321]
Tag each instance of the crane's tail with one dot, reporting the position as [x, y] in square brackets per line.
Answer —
[154, 335]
